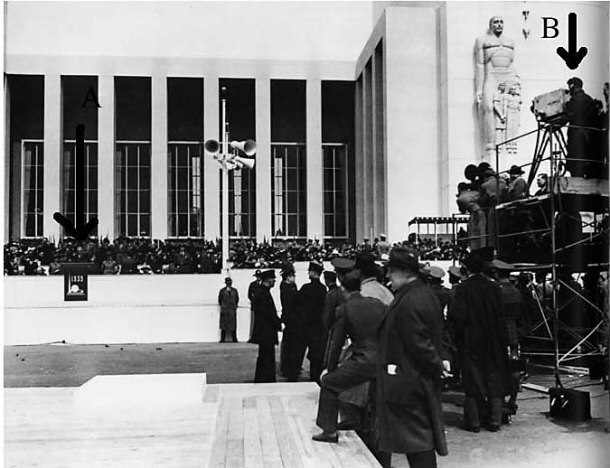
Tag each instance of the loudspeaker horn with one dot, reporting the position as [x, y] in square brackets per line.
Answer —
[248, 147]
[212, 146]
[241, 162]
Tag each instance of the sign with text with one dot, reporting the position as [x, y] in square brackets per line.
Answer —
[75, 287]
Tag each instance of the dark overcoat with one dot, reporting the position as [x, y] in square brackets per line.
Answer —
[310, 300]
[476, 313]
[358, 319]
[228, 299]
[288, 299]
[409, 410]
[266, 321]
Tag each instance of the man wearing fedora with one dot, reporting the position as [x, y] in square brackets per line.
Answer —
[228, 299]
[476, 312]
[266, 326]
[517, 187]
[409, 411]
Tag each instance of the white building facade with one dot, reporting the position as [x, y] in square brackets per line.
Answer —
[362, 111]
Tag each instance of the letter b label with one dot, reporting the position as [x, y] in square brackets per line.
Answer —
[549, 27]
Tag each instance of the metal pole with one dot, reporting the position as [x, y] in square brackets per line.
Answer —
[225, 192]
[554, 257]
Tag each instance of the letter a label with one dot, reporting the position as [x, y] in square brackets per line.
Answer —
[91, 97]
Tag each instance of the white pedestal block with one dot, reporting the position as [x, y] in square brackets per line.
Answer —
[147, 390]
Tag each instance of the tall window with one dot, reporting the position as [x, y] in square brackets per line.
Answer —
[289, 196]
[133, 177]
[133, 161]
[69, 201]
[335, 190]
[242, 203]
[33, 187]
[185, 198]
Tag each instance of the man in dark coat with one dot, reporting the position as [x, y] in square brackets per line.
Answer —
[311, 300]
[228, 299]
[251, 289]
[409, 411]
[266, 326]
[581, 112]
[481, 336]
[358, 319]
[288, 299]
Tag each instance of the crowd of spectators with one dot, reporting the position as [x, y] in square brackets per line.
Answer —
[144, 256]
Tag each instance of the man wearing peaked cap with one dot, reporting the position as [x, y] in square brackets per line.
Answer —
[315, 266]
[342, 266]
[266, 326]
[288, 299]
[251, 290]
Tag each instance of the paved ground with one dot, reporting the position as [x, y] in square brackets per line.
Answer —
[532, 440]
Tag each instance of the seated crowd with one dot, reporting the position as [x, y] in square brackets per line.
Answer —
[144, 256]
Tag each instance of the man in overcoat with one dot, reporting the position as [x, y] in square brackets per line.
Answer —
[311, 301]
[409, 411]
[476, 312]
[266, 326]
[288, 299]
[251, 289]
[228, 299]
[358, 319]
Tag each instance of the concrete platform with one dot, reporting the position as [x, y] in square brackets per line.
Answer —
[232, 425]
[141, 390]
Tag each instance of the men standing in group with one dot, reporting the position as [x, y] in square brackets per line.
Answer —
[288, 299]
[311, 301]
[228, 299]
[481, 336]
[409, 411]
[358, 319]
[266, 326]
[251, 289]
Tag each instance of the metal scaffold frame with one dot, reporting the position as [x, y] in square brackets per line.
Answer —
[551, 146]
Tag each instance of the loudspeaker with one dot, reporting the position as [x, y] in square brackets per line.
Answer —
[573, 405]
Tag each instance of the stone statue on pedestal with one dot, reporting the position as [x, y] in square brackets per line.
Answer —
[494, 55]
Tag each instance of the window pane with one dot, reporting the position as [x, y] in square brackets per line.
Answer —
[144, 201]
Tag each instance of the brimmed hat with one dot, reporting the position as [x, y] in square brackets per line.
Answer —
[228, 280]
[287, 270]
[402, 258]
[455, 271]
[501, 265]
[257, 273]
[267, 274]
[436, 272]
[514, 169]
[342, 264]
[315, 266]
[365, 262]
[471, 172]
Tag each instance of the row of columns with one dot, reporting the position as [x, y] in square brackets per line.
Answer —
[53, 147]
[371, 206]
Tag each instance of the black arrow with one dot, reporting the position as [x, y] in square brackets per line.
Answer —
[571, 57]
[82, 230]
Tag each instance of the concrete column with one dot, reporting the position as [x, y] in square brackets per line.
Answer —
[106, 158]
[7, 159]
[358, 165]
[159, 158]
[315, 189]
[367, 148]
[211, 177]
[263, 159]
[52, 154]
[378, 153]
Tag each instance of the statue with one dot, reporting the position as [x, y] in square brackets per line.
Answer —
[500, 106]
[494, 55]
[513, 110]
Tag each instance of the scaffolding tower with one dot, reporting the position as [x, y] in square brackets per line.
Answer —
[548, 234]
